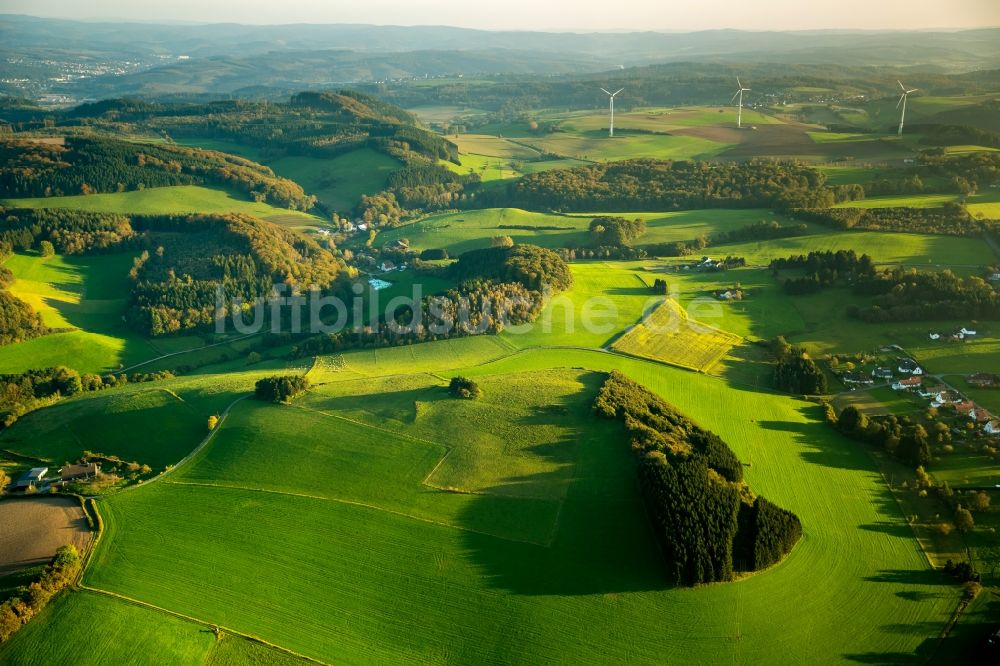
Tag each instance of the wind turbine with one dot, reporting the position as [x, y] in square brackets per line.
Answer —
[611, 96]
[739, 93]
[902, 100]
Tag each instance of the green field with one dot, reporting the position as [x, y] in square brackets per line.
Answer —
[87, 628]
[463, 231]
[175, 200]
[468, 591]
[83, 298]
[339, 181]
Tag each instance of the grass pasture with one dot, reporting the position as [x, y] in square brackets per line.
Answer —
[176, 200]
[116, 423]
[360, 580]
[90, 629]
[668, 335]
[84, 299]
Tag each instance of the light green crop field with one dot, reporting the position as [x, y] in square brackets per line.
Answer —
[884, 248]
[364, 580]
[606, 298]
[668, 334]
[176, 200]
[486, 145]
[87, 628]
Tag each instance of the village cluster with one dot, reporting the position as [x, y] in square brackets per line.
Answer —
[907, 375]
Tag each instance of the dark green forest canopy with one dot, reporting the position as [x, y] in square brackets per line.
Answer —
[646, 184]
[707, 521]
[536, 268]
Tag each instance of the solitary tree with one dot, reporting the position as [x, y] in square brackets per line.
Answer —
[963, 519]
[213, 421]
[46, 249]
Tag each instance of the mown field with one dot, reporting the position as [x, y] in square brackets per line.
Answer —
[595, 594]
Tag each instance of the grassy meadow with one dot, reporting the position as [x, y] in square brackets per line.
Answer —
[176, 200]
[369, 600]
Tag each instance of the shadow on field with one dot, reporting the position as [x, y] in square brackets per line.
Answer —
[823, 446]
[910, 577]
[900, 530]
[602, 543]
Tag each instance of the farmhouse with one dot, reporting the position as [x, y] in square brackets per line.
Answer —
[882, 373]
[74, 472]
[908, 366]
[983, 380]
[992, 427]
[908, 383]
[33, 477]
[399, 244]
[980, 415]
[935, 391]
[934, 336]
[964, 407]
[857, 379]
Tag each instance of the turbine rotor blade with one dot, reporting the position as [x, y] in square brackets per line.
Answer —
[619, 90]
[735, 96]
[738, 82]
[901, 98]
[912, 91]
[901, 86]
[605, 91]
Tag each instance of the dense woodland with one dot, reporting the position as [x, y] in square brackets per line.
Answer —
[824, 269]
[897, 436]
[189, 258]
[950, 219]
[794, 371]
[534, 267]
[659, 185]
[91, 165]
[708, 523]
[901, 294]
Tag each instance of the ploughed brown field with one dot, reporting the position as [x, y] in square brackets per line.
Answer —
[31, 530]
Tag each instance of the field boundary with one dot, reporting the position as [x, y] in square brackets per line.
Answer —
[199, 621]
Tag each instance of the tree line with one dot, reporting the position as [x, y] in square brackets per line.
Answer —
[87, 165]
[658, 185]
[707, 522]
[28, 601]
[951, 219]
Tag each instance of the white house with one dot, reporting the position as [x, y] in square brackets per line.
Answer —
[935, 336]
[966, 332]
[992, 427]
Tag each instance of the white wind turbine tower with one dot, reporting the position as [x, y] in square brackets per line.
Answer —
[739, 93]
[611, 96]
[902, 100]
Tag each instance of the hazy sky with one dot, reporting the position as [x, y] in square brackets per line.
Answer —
[543, 14]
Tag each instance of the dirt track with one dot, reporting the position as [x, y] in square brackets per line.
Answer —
[32, 529]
